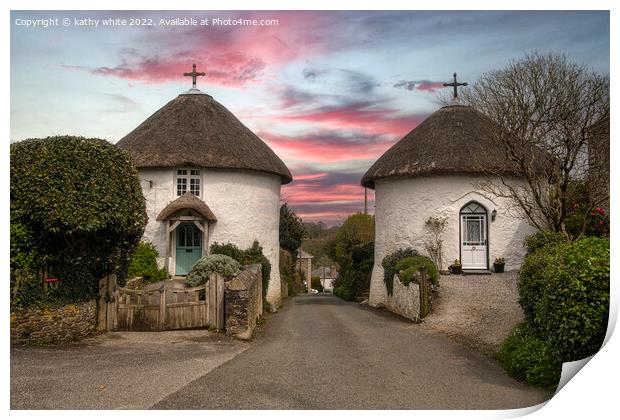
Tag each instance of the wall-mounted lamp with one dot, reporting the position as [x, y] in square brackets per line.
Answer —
[493, 215]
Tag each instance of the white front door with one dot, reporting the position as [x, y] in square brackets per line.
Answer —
[474, 241]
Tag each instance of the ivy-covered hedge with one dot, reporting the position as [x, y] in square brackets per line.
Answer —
[409, 266]
[77, 213]
[144, 264]
[389, 266]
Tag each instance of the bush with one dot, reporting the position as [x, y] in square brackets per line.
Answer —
[287, 270]
[530, 359]
[77, 213]
[542, 239]
[574, 308]
[533, 276]
[252, 255]
[292, 230]
[214, 263]
[389, 266]
[316, 283]
[409, 266]
[144, 264]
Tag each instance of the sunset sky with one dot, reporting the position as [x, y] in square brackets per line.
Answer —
[328, 91]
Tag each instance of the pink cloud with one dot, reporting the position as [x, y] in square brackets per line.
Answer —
[231, 56]
[327, 146]
[363, 116]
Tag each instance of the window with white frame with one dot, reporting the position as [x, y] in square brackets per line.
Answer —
[188, 180]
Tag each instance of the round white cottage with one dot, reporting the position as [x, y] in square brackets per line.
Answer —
[207, 178]
[436, 171]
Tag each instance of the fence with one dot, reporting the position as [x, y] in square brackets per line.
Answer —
[169, 307]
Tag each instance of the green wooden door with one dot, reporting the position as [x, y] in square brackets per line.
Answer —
[188, 247]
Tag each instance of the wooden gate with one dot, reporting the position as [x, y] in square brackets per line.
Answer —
[166, 308]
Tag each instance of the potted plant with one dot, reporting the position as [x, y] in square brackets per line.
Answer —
[498, 264]
[456, 267]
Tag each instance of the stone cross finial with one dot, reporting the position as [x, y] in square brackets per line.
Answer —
[194, 74]
[455, 84]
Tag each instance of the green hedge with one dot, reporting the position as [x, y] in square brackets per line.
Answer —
[533, 276]
[144, 264]
[77, 213]
[564, 293]
[543, 239]
[409, 266]
[528, 358]
[574, 309]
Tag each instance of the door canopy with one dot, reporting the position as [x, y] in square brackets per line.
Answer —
[187, 201]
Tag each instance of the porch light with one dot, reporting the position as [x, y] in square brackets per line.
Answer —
[493, 215]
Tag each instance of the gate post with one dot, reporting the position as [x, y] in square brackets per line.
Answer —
[102, 305]
[219, 305]
[424, 293]
[162, 307]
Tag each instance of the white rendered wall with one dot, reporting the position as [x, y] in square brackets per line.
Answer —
[403, 205]
[245, 203]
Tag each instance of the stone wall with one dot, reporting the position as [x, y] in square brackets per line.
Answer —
[243, 302]
[54, 325]
[405, 300]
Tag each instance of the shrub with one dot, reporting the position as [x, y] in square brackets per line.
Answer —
[530, 359]
[292, 230]
[252, 255]
[144, 264]
[77, 213]
[409, 266]
[542, 239]
[214, 263]
[574, 309]
[316, 283]
[389, 266]
[533, 277]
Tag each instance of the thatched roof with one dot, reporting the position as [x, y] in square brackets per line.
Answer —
[455, 139]
[187, 201]
[195, 130]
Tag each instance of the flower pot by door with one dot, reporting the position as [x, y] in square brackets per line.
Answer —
[499, 268]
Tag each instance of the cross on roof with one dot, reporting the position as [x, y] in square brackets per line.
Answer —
[455, 84]
[194, 74]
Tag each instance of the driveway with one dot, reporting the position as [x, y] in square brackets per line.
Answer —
[320, 352]
[131, 370]
[477, 310]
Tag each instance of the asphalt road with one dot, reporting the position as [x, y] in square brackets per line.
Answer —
[128, 370]
[322, 353]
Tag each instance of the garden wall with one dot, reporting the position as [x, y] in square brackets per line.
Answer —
[243, 302]
[405, 300]
[54, 325]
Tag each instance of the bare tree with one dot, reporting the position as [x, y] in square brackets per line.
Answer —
[433, 242]
[543, 107]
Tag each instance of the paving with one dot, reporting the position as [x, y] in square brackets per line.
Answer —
[320, 352]
[128, 370]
